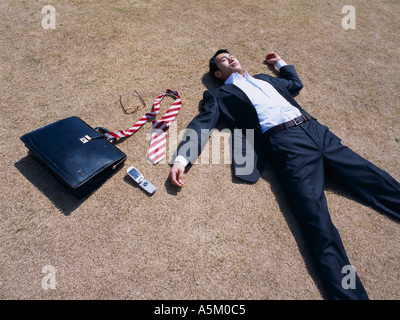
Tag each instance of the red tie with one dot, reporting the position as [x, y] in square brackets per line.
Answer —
[159, 132]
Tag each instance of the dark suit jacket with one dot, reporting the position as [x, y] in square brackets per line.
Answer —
[230, 105]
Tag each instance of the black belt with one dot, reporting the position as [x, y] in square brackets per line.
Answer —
[288, 124]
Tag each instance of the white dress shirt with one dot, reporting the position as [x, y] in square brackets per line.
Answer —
[272, 109]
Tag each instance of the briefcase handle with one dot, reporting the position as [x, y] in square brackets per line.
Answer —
[103, 130]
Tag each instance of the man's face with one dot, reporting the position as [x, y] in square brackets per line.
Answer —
[227, 65]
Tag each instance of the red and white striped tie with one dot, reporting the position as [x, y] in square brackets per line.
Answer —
[159, 132]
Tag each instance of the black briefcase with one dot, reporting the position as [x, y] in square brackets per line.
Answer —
[75, 153]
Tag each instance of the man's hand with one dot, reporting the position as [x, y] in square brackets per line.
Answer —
[176, 174]
[272, 58]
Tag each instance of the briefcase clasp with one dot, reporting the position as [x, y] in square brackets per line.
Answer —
[85, 139]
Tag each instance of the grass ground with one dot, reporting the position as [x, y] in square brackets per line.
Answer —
[210, 240]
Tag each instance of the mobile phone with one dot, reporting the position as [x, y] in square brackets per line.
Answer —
[140, 180]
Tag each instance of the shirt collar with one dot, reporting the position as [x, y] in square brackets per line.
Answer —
[237, 77]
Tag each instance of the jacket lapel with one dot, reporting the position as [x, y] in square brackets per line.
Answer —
[231, 88]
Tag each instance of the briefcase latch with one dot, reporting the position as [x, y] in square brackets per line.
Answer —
[85, 139]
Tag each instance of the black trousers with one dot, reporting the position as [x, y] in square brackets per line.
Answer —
[301, 155]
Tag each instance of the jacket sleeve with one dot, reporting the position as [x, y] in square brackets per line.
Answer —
[200, 128]
[289, 79]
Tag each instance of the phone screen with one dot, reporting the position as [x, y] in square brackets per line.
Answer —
[134, 173]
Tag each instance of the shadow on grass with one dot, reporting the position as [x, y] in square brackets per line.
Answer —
[46, 183]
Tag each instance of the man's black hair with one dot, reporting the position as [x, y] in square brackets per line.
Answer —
[213, 64]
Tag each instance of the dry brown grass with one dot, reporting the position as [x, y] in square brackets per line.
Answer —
[216, 238]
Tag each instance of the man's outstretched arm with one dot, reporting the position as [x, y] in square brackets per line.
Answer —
[195, 138]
